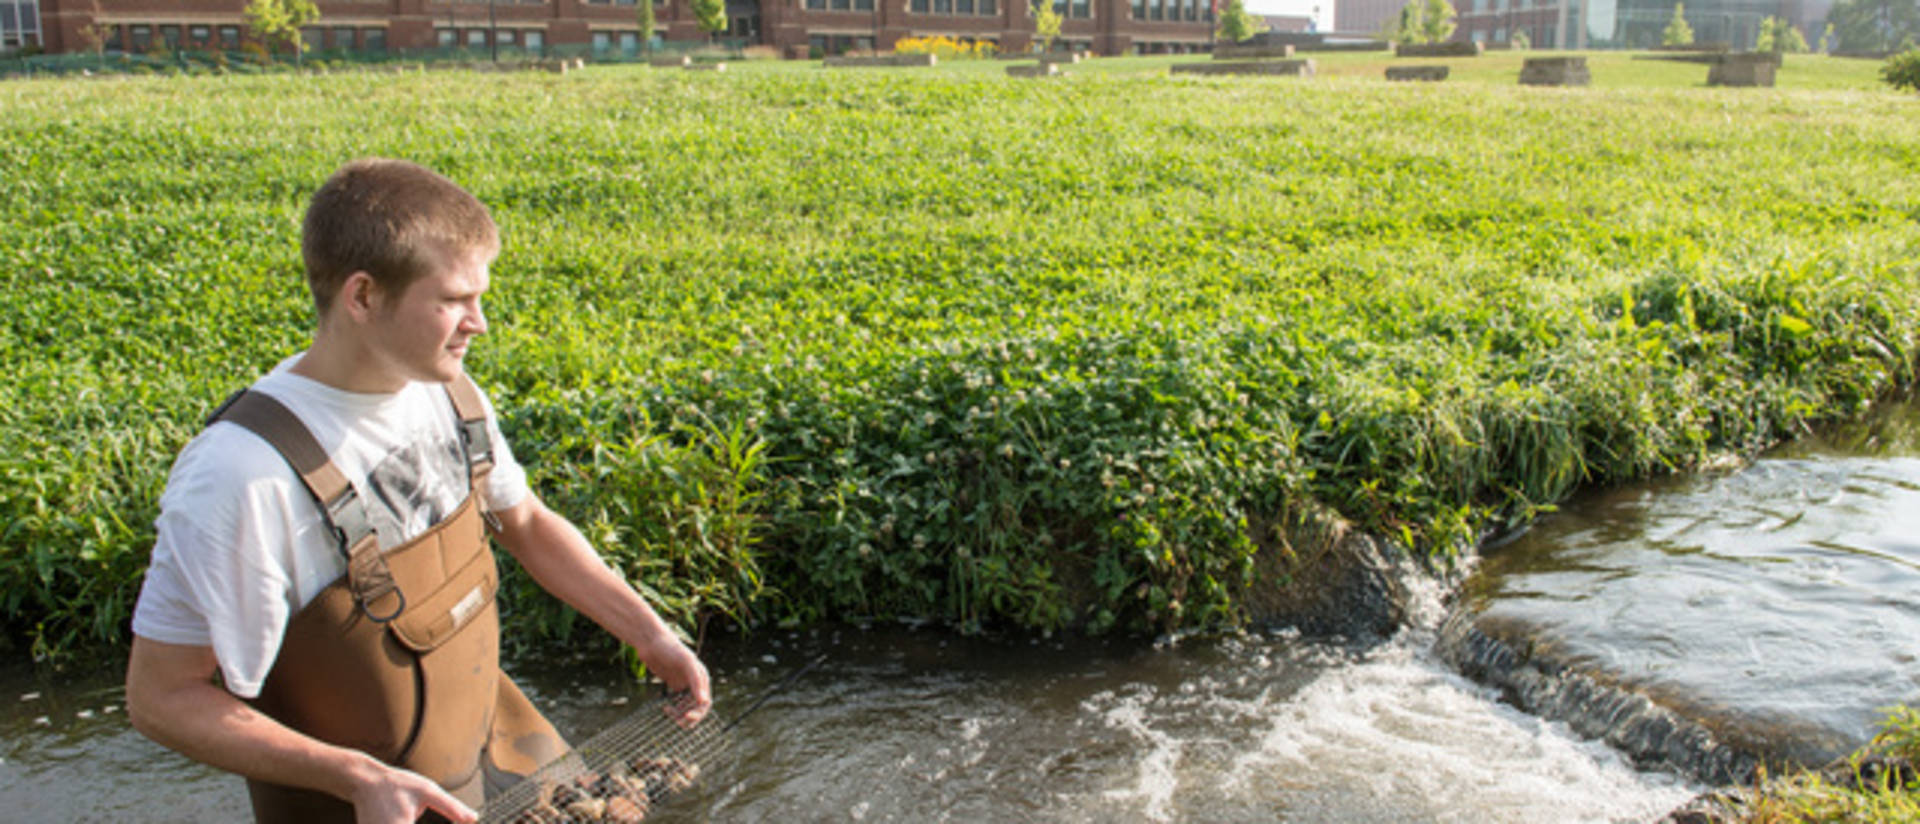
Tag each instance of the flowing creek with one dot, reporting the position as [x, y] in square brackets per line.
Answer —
[1768, 612]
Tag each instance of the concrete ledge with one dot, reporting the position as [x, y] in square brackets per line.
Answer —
[1555, 71]
[1289, 68]
[880, 61]
[1239, 52]
[1067, 58]
[1351, 46]
[1715, 46]
[670, 62]
[1034, 70]
[1468, 49]
[706, 67]
[1428, 74]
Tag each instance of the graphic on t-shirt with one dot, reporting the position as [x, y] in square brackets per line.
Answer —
[415, 487]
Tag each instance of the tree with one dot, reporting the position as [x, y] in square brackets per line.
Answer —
[1873, 25]
[711, 15]
[1237, 24]
[1778, 35]
[645, 13]
[1437, 21]
[1520, 41]
[1826, 39]
[1412, 23]
[93, 35]
[1046, 24]
[1677, 32]
[281, 19]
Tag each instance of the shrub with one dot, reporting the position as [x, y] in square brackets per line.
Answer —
[1902, 71]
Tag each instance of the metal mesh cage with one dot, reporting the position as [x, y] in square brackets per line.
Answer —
[620, 775]
[627, 770]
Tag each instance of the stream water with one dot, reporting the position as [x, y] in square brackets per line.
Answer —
[1777, 606]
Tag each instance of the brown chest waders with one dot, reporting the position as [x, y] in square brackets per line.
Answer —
[400, 658]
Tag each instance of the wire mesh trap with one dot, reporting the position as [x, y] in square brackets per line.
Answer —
[627, 770]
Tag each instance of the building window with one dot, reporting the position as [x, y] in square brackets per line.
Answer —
[200, 37]
[816, 4]
[863, 5]
[602, 42]
[476, 38]
[942, 6]
[503, 37]
[536, 41]
[343, 37]
[170, 35]
[142, 37]
[116, 41]
[444, 37]
[629, 42]
[373, 40]
[989, 8]
[963, 6]
[842, 5]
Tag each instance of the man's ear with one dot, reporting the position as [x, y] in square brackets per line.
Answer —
[359, 296]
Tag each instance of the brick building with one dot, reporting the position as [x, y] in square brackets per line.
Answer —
[795, 28]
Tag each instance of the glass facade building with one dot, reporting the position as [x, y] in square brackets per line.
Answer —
[1637, 24]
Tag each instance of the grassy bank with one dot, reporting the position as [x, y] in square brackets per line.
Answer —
[793, 343]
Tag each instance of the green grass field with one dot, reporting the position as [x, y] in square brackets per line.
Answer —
[795, 344]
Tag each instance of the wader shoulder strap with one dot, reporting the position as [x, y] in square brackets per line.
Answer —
[340, 505]
[475, 439]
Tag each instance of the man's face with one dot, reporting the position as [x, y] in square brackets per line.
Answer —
[422, 334]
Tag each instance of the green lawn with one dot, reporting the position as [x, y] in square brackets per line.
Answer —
[796, 343]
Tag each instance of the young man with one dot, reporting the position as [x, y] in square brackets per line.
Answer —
[319, 613]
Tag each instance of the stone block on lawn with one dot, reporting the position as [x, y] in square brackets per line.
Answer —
[1555, 71]
[1288, 68]
[1428, 74]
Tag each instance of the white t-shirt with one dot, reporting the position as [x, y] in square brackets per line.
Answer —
[241, 545]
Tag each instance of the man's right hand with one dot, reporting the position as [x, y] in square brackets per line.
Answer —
[390, 795]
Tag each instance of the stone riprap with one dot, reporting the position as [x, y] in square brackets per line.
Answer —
[1289, 68]
[1428, 74]
[1555, 71]
[1466, 49]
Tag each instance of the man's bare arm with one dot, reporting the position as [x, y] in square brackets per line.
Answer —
[172, 699]
[558, 557]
